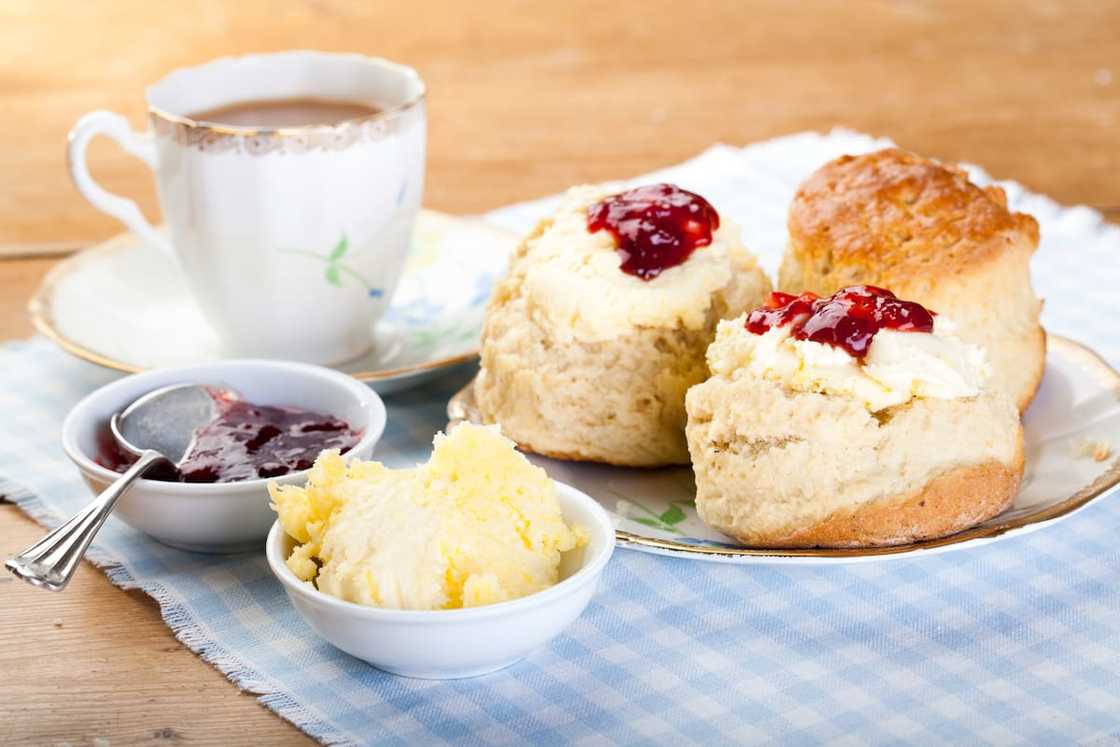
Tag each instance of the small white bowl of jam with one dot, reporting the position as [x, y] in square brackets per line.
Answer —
[284, 415]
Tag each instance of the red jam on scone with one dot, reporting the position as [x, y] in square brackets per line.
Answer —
[655, 227]
[848, 319]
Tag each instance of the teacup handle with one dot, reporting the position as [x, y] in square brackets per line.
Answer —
[141, 145]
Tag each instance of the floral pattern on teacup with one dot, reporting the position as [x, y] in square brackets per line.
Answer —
[336, 268]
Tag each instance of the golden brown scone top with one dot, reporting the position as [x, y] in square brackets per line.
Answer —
[888, 216]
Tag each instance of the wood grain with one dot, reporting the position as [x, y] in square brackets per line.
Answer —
[525, 99]
[95, 661]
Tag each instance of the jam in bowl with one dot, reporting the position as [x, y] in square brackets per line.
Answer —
[245, 441]
[311, 406]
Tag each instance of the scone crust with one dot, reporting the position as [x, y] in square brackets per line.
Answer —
[952, 502]
[884, 217]
[1032, 365]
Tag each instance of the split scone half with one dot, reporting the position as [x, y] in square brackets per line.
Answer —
[851, 421]
[602, 322]
[922, 229]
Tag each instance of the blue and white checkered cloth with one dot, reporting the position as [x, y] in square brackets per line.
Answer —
[1013, 642]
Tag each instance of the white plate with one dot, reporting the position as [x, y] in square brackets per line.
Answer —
[123, 305]
[1078, 403]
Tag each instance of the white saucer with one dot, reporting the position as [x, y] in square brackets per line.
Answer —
[123, 305]
[1077, 404]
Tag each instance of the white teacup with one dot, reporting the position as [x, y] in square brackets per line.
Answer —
[292, 240]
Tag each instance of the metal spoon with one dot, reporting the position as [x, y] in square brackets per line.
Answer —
[158, 427]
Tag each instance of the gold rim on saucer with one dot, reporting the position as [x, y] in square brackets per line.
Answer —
[41, 304]
[461, 407]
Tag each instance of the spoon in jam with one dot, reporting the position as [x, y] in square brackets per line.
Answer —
[158, 428]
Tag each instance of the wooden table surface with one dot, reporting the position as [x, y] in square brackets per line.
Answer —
[524, 100]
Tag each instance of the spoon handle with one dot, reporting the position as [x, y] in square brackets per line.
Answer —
[51, 561]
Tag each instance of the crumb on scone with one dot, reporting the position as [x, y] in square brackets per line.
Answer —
[1096, 450]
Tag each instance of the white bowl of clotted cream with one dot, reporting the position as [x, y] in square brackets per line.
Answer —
[456, 643]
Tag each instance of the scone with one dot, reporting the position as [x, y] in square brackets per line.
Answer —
[851, 421]
[896, 220]
[601, 324]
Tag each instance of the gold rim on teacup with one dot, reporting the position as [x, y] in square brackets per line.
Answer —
[214, 137]
[301, 138]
